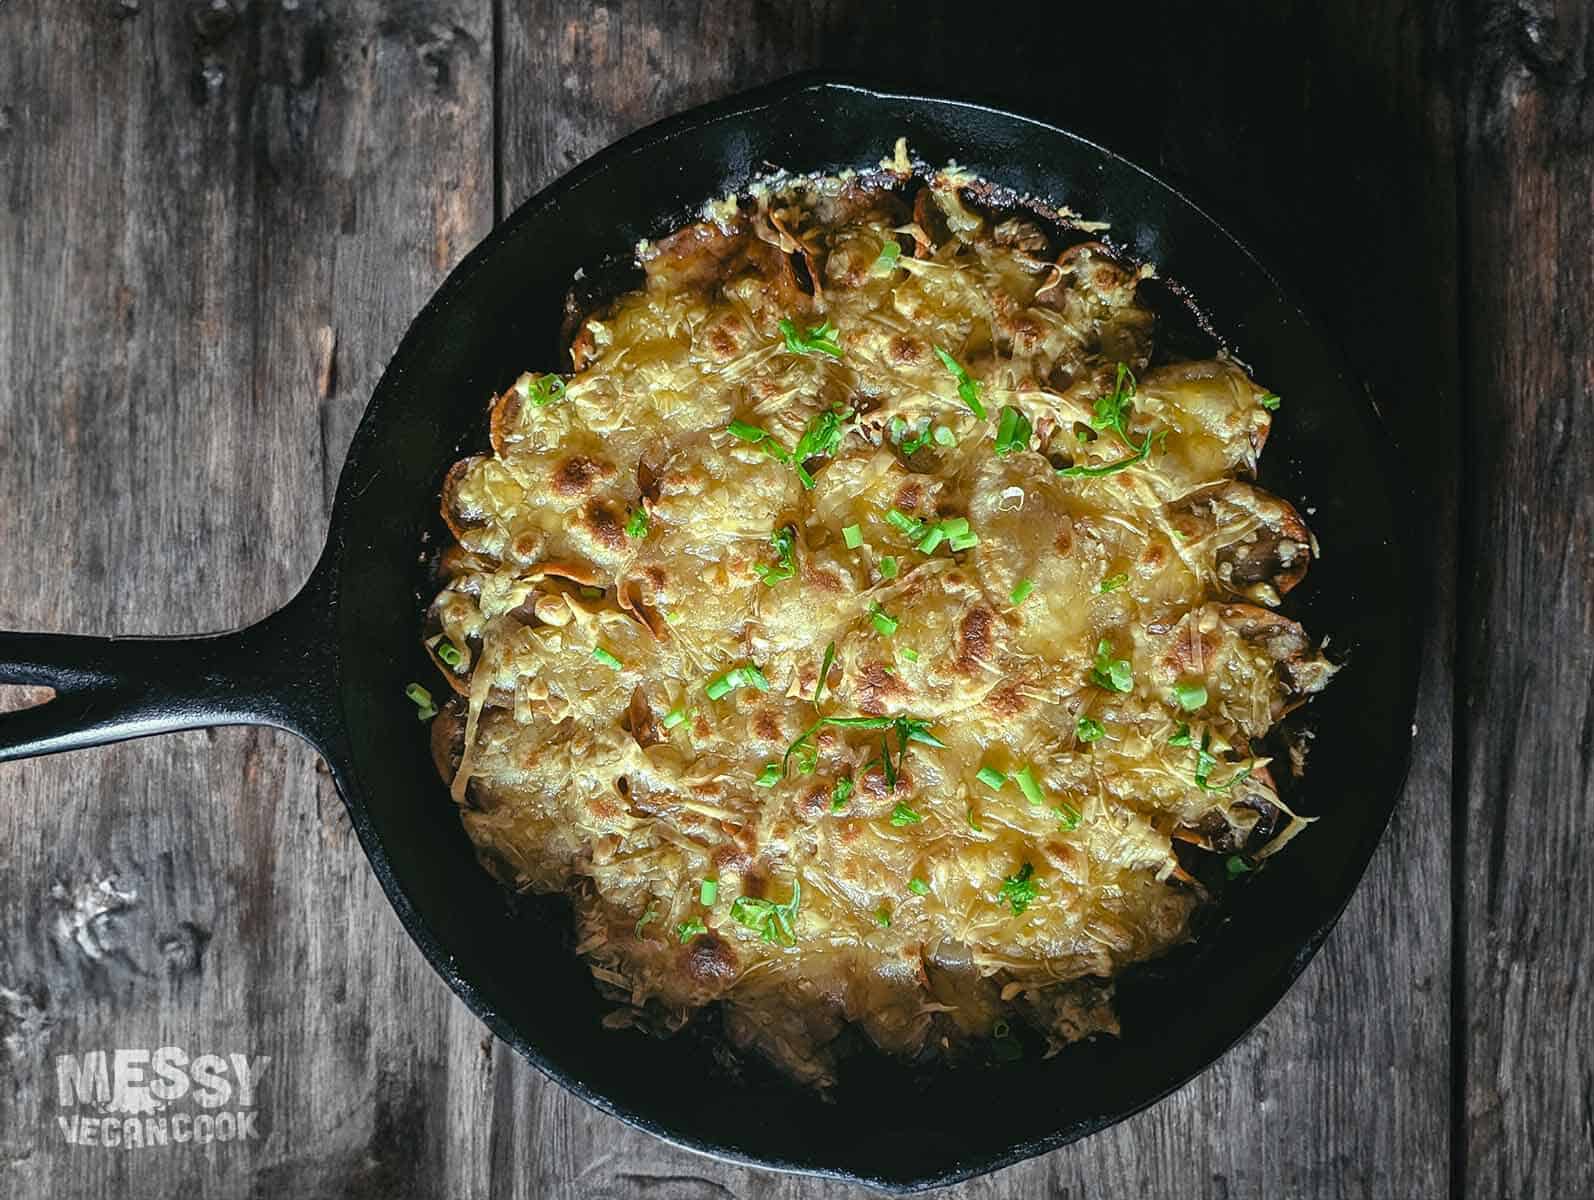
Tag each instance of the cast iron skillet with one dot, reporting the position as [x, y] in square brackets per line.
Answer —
[498, 314]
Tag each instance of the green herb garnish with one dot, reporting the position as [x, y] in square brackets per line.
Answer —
[841, 794]
[882, 917]
[1112, 468]
[645, 919]
[851, 536]
[943, 436]
[773, 922]
[918, 887]
[1269, 401]
[1087, 729]
[903, 815]
[824, 672]
[991, 778]
[908, 729]
[1113, 582]
[1236, 866]
[769, 776]
[889, 253]
[1025, 778]
[1181, 736]
[1205, 761]
[1021, 591]
[1012, 431]
[784, 541]
[425, 710]
[883, 621]
[968, 386]
[599, 654]
[820, 339]
[1190, 696]
[1066, 816]
[820, 439]
[708, 892]
[898, 519]
[888, 567]
[1111, 674]
[637, 526]
[954, 531]
[754, 436]
[909, 653]
[687, 930]
[540, 389]
[1019, 889]
[675, 716]
[448, 653]
[743, 676]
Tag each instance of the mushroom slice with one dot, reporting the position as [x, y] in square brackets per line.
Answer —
[1261, 547]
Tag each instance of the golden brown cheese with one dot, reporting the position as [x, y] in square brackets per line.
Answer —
[1076, 617]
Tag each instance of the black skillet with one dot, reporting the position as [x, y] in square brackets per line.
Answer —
[498, 314]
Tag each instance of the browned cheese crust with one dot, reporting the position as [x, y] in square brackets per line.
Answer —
[996, 602]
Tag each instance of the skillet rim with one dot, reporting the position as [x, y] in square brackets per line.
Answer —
[355, 471]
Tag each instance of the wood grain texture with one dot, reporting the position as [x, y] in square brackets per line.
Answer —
[1527, 669]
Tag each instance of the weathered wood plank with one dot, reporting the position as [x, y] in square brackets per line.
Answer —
[1527, 663]
[215, 221]
[1344, 1091]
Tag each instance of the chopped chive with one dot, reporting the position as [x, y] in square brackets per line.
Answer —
[606, 658]
[909, 653]
[1113, 582]
[1066, 816]
[933, 537]
[888, 567]
[1235, 866]
[963, 541]
[1181, 736]
[903, 815]
[1190, 696]
[918, 887]
[425, 710]
[819, 338]
[675, 716]
[991, 778]
[1021, 591]
[784, 543]
[1269, 401]
[687, 930]
[1142, 452]
[637, 526]
[1019, 889]
[1111, 674]
[883, 621]
[708, 892]
[769, 776]
[447, 653]
[775, 922]
[1012, 431]
[755, 436]
[841, 794]
[1087, 729]
[852, 536]
[540, 389]
[973, 824]
[901, 520]
[968, 386]
[882, 917]
[896, 428]
[889, 253]
[824, 672]
[747, 675]
[944, 436]
[1025, 778]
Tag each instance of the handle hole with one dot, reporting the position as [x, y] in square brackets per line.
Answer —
[14, 697]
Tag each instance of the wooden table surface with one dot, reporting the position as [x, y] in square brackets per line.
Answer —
[216, 219]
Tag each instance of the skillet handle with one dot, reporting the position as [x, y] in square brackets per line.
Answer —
[110, 689]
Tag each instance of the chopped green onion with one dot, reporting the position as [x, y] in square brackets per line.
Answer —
[774, 922]
[909, 729]
[912, 445]
[675, 716]
[1021, 591]
[903, 815]
[784, 541]
[540, 389]
[755, 436]
[1066, 816]
[882, 917]
[1235, 866]
[425, 710]
[973, 824]
[1111, 674]
[645, 919]
[1012, 431]
[708, 892]
[687, 930]
[824, 672]
[968, 387]
[896, 428]
[637, 526]
[852, 536]
[1087, 729]
[819, 338]
[901, 520]
[1181, 736]
[1140, 455]
[1112, 583]
[447, 652]
[943, 436]
[1190, 696]
[963, 541]
[599, 654]
[1025, 778]
[820, 439]
[991, 778]
[888, 567]
[918, 887]
[1269, 401]
[883, 621]
[746, 675]
[932, 539]
[909, 653]
[1019, 889]
[889, 253]
[841, 794]
[1205, 761]
[769, 776]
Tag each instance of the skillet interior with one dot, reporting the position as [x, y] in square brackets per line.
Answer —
[499, 314]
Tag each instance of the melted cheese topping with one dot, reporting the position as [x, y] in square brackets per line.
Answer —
[918, 903]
